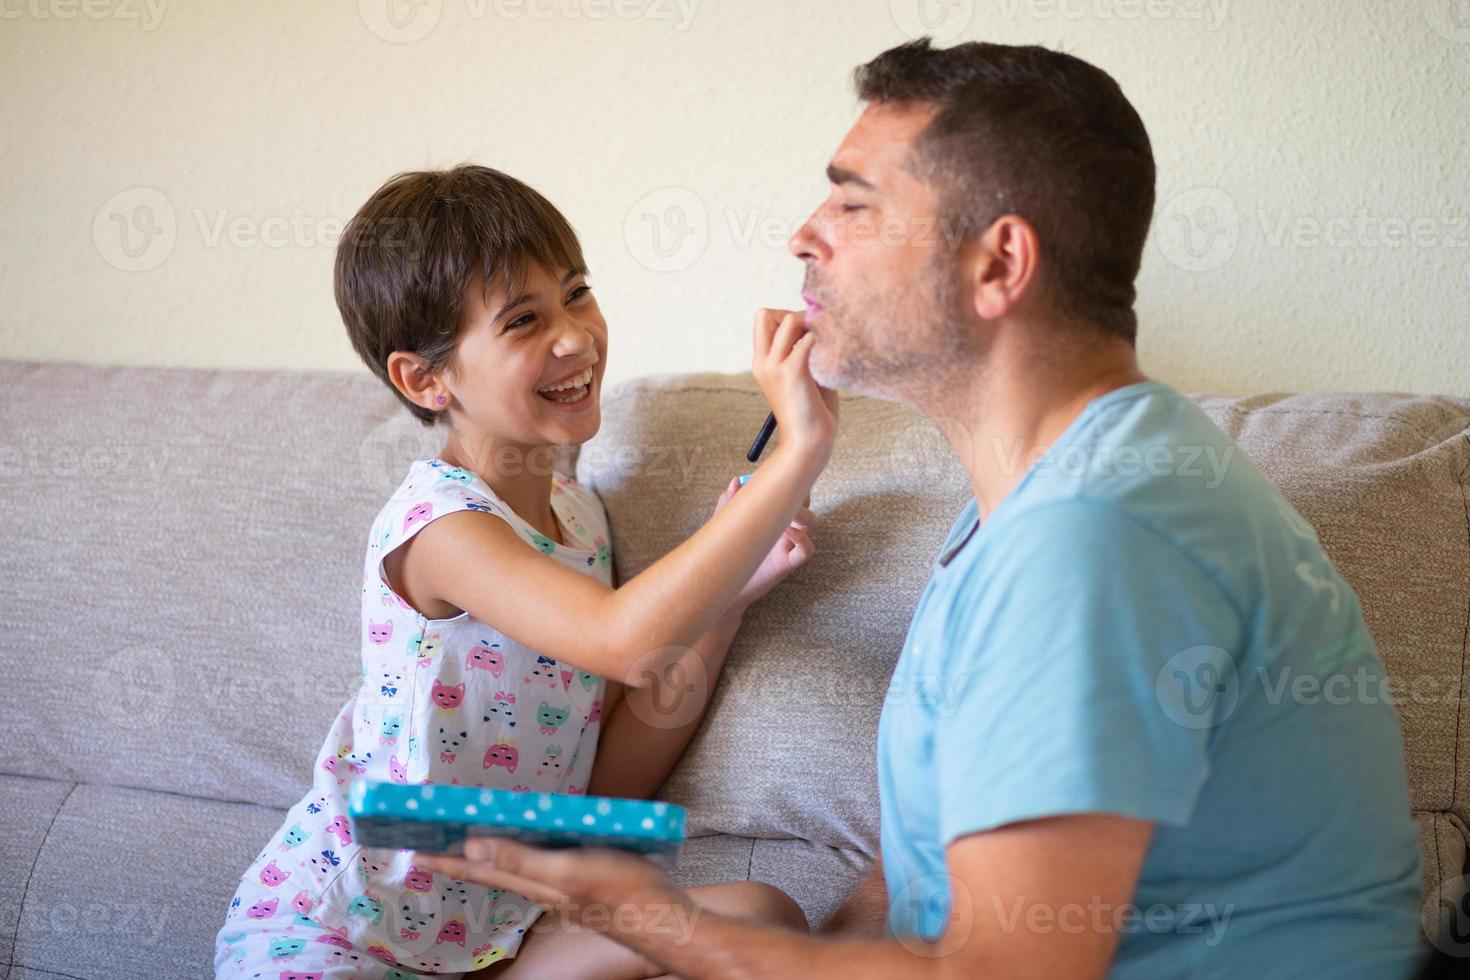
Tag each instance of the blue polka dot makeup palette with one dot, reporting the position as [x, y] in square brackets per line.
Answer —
[438, 818]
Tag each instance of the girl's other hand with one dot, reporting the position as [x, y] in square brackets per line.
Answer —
[805, 411]
[792, 550]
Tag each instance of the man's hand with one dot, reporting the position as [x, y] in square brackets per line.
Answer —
[601, 888]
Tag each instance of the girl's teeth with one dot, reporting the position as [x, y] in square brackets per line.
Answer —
[581, 393]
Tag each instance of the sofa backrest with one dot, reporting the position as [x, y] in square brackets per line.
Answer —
[182, 549]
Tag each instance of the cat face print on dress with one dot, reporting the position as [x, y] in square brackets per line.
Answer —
[367, 907]
[281, 949]
[389, 682]
[414, 922]
[417, 879]
[446, 697]
[550, 719]
[503, 707]
[487, 954]
[450, 743]
[264, 909]
[357, 762]
[486, 656]
[550, 762]
[426, 647]
[271, 875]
[341, 829]
[502, 754]
[543, 672]
[451, 932]
[418, 512]
[325, 864]
[380, 633]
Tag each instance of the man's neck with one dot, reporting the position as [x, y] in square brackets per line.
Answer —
[1012, 410]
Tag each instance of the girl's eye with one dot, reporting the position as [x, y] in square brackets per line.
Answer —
[579, 292]
[520, 321]
[852, 207]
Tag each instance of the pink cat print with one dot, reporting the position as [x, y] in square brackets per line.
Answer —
[263, 910]
[418, 512]
[447, 697]
[340, 829]
[485, 657]
[271, 875]
[502, 754]
[417, 879]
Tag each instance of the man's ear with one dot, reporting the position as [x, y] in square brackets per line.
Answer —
[411, 376]
[1002, 264]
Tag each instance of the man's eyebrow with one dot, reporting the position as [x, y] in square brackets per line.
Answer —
[841, 175]
[515, 301]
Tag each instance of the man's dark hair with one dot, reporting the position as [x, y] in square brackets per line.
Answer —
[408, 256]
[1043, 135]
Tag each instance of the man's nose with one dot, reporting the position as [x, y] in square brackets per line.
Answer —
[806, 244]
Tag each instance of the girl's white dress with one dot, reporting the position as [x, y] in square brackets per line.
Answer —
[441, 701]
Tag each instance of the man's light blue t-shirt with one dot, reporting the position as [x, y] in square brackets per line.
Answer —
[1144, 626]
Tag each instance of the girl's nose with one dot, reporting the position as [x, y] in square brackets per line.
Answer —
[573, 340]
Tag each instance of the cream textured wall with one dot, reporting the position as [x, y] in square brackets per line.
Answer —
[175, 173]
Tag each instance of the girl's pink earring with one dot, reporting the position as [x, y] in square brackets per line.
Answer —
[440, 400]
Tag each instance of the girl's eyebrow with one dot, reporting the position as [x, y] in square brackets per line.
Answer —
[572, 273]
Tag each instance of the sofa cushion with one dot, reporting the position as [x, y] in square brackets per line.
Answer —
[133, 883]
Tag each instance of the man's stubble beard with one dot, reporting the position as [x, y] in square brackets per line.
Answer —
[898, 344]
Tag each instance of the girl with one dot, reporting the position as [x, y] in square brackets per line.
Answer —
[496, 649]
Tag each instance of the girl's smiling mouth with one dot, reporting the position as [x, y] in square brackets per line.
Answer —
[571, 389]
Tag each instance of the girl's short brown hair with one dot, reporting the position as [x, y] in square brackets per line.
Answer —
[408, 256]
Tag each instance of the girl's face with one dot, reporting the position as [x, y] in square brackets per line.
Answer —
[530, 366]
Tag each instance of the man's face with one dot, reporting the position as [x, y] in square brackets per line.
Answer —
[882, 291]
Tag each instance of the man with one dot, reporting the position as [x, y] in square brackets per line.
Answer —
[1127, 786]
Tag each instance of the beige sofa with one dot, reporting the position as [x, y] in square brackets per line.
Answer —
[180, 622]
